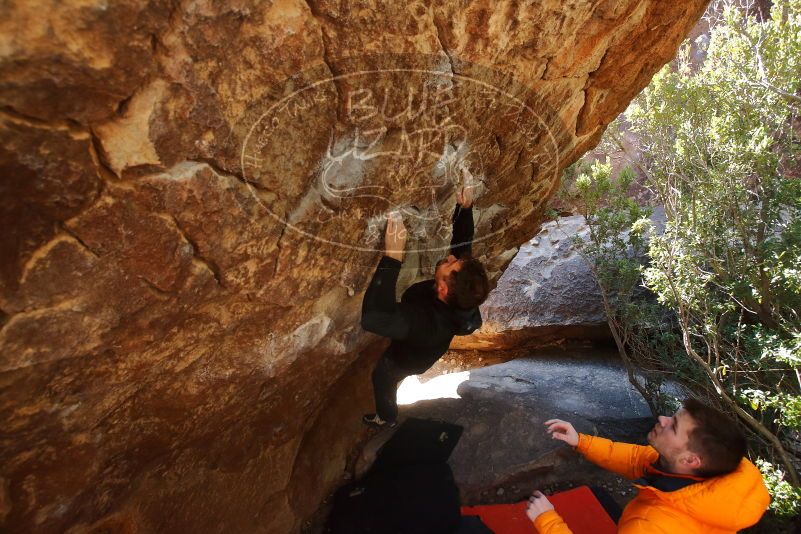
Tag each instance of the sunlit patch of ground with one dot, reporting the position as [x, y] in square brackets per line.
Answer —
[443, 386]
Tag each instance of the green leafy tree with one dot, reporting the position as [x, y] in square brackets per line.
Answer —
[614, 251]
[721, 150]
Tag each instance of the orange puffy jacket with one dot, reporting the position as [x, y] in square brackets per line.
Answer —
[717, 505]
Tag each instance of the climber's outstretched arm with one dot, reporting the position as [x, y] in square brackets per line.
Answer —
[382, 314]
[463, 230]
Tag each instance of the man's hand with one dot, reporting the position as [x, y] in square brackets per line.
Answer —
[537, 504]
[562, 430]
[395, 237]
[465, 196]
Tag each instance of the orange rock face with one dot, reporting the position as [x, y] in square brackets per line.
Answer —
[192, 203]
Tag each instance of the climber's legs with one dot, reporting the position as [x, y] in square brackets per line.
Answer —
[385, 387]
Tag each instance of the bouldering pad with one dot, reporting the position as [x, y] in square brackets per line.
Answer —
[578, 507]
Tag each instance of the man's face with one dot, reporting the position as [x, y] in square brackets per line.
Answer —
[444, 268]
[671, 439]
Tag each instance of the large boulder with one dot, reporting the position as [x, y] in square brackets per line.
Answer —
[547, 294]
[192, 201]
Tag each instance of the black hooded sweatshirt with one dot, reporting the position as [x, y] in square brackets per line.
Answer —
[421, 326]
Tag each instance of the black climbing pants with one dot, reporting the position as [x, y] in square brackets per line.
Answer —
[386, 377]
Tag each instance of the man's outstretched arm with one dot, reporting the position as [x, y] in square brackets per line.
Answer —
[463, 229]
[621, 458]
[624, 459]
[381, 313]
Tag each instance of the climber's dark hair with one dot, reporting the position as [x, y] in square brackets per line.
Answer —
[716, 439]
[468, 287]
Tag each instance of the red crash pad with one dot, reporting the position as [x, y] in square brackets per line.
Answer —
[578, 507]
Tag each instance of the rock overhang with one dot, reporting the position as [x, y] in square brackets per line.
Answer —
[180, 309]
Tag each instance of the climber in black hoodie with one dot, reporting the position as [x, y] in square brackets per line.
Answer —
[430, 313]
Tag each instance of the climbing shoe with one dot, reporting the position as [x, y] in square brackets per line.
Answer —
[373, 419]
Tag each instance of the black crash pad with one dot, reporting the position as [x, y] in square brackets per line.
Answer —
[408, 490]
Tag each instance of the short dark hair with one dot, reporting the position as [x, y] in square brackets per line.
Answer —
[468, 287]
[716, 439]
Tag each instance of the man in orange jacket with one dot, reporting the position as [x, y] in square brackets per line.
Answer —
[692, 478]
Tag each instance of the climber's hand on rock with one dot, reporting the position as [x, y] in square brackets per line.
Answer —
[537, 504]
[562, 430]
[465, 196]
[395, 237]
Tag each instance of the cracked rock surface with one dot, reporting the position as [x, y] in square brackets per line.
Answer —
[192, 199]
